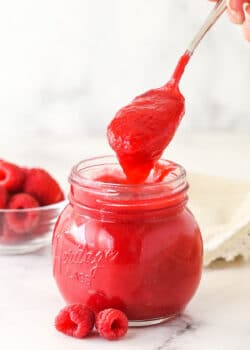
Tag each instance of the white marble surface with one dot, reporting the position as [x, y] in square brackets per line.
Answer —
[216, 319]
[67, 65]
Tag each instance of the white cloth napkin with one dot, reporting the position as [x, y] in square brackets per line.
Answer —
[222, 209]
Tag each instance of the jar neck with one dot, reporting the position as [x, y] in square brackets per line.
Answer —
[125, 202]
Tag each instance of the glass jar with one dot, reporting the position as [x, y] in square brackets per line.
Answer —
[132, 247]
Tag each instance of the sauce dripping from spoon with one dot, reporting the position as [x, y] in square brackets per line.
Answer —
[141, 131]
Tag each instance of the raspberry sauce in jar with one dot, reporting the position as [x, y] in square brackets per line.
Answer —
[132, 247]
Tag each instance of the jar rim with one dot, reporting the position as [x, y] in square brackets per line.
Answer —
[176, 180]
[115, 201]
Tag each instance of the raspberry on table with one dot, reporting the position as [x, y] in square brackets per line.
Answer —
[3, 197]
[117, 303]
[41, 185]
[111, 324]
[22, 221]
[97, 301]
[11, 176]
[75, 320]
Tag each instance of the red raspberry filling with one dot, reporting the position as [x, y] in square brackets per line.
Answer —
[22, 221]
[75, 320]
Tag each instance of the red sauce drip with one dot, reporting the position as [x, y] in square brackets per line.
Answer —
[141, 131]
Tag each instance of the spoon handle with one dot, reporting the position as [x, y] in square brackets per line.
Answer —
[214, 15]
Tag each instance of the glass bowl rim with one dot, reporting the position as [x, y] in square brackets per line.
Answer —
[54, 206]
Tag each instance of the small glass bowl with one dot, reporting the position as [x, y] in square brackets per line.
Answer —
[26, 230]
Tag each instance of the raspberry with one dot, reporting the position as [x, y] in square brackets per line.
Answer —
[25, 170]
[44, 226]
[112, 324]
[46, 222]
[43, 187]
[97, 301]
[22, 221]
[3, 197]
[11, 176]
[9, 237]
[75, 320]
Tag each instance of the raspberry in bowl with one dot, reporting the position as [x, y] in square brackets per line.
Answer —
[30, 202]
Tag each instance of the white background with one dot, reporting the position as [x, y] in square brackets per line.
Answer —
[66, 66]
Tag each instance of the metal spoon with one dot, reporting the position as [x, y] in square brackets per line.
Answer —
[214, 15]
